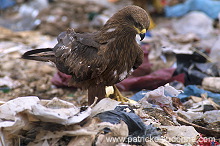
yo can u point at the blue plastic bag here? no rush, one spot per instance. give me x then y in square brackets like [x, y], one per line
[195, 91]
[210, 7]
[6, 3]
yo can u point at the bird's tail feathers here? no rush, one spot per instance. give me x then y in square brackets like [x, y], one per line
[44, 54]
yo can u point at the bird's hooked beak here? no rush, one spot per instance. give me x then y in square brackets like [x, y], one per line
[142, 34]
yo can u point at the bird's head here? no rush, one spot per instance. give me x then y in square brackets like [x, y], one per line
[133, 19]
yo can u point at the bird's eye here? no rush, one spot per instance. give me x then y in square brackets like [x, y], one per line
[136, 24]
[130, 18]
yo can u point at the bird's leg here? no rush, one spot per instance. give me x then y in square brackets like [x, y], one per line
[96, 91]
[118, 96]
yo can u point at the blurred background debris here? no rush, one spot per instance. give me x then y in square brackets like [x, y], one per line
[181, 48]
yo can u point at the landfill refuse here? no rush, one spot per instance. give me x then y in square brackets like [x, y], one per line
[20, 112]
[184, 134]
[6, 3]
[157, 78]
[194, 22]
[210, 7]
[139, 95]
[195, 68]
[211, 84]
[135, 125]
[8, 82]
[38, 107]
[214, 53]
[26, 17]
[195, 91]
[161, 96]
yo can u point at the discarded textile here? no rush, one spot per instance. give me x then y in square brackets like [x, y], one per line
[195, 91]
[151, 81]
[195, 68]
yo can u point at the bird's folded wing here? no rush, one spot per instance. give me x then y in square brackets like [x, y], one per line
[77, 55]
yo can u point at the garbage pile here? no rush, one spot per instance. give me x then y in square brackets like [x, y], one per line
[157, 118]
[175, 93]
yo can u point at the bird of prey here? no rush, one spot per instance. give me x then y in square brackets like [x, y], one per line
[99, 59]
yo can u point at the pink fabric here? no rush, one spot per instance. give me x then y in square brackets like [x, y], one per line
[60, 79]
[151, 81]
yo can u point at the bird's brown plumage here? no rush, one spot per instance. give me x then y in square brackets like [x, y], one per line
[102, 58]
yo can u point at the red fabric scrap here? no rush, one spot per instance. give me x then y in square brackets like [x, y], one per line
[151, 81]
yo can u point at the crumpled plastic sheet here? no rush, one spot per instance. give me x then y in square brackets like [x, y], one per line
[27, 13]
[208, 116]
[193, 90]
[195, 22]
[7, 81]
[215, 49]
[20, 114]
[161, 96]
[135, 125]
[57, 111]
[139, 95]
[17, 114]
[210, 7]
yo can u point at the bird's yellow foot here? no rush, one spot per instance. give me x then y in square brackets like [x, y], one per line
[113, 93]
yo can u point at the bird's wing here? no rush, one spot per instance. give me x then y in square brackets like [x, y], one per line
[78, 55]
